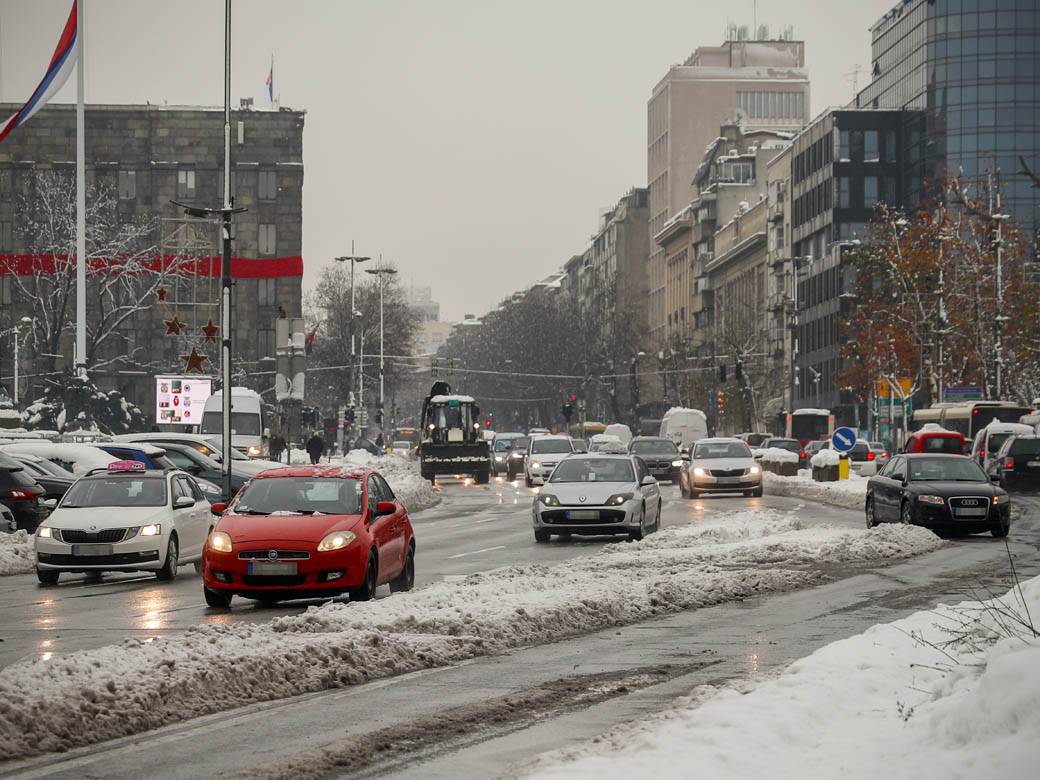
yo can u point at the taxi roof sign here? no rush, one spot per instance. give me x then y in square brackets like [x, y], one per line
[123, 466]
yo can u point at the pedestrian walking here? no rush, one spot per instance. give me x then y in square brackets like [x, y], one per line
[315, 447]
[276, 447]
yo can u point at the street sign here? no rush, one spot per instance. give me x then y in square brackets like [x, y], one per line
[843, 439]
[962, 394]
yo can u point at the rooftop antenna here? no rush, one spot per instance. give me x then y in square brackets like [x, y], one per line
[853, 76]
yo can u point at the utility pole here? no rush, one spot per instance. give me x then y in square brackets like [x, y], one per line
[354, 259]
[1000, 318]
[381, 273]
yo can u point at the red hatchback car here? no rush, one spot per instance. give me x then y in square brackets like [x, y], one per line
[306, 532]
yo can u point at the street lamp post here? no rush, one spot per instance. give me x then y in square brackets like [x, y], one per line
[16, 332]
[382, 273]
[354, 260]
[796, 267]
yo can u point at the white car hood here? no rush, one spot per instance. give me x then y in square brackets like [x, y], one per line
[107, 517]
[595, 493]
[723, 464]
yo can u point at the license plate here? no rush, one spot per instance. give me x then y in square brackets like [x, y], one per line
[970, 512]
[583, 514]
[1034, 464]
[87, 550]
[272, 568]
[727, 480]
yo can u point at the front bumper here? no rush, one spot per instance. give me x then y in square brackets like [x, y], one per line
[142, 553]
[587, 519]
[664, 471]
[941, 517]
[231, 573]
[710, 484]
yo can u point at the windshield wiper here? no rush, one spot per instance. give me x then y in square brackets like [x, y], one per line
[250, 512]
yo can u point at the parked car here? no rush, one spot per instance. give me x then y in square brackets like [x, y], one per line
[309, 531]
[543, 453]
[880, 453]
[7, 522]
[720, 465]
[187, 458]
[207, 445]
[124, 518]
[1017, 464]
[989, 440]
[934, 438]
[52, 477]
[661, 456]
[791, 445]
[598, 494]
[21, 493]
[753, 440]
[516, 460]
[942, 492]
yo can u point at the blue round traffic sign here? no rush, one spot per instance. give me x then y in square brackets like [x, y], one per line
[843, 439]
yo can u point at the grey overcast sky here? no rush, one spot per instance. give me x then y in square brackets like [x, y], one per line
[473, 144]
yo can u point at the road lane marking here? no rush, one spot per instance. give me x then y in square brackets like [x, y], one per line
[477, 552]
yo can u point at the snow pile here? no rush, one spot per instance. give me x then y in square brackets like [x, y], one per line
[946, 693]
[825, 458]
[134, 686]
[77, 458]
[777, 455]
[850, 493]
[16, 553]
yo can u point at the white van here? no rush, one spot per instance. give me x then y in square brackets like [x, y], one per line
[684, 426]
[248, 433]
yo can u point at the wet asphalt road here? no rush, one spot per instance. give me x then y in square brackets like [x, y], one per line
[475, 528]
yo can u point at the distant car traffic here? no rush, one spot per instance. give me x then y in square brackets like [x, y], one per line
[516, 460]
[942, 492]
[310, 531]
[607, 443]
[543, 453]
[402, 447]
[989, 440]
[598, 494]
[1017, 464]
[661, 456]
[202, 467]
[500, 449]
[124, 518]
[753, 440]
[791, 445]
[933, 438]
[207, 445]
[880, 453]
[720, 465]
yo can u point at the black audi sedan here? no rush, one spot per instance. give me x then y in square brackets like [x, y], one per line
[942, 492]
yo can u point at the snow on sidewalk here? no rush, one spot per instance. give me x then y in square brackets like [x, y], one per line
[950, 692]
[16, 553]
[850, 493]
[139, 685]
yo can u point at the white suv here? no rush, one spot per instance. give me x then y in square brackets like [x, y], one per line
[543, 453]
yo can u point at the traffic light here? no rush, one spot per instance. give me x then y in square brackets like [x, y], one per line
[379, 417]
[487, 422]
[572, 398]
[351, 415]
[567, 410]
[720, 403]
[722, 373]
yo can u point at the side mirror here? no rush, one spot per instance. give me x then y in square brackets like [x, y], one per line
[183, 502]
[994, 478]
[647, 480]
[218, 508]
[385, 508]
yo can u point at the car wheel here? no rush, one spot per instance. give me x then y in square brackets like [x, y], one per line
[638, 533]
[541, 536]
[47, 577]
[367, 589]
[757, 492]
[217, 599]
[169, 569]
[871, 518]
[482, 478]
[405, 581]
[1000, 528]
[906, 514]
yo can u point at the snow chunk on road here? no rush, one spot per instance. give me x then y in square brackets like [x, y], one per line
[850, 493]
[135, 686]
[950, 692]
[16, 553]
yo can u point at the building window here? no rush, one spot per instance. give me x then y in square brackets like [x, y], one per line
[843, 192]
[871, 152]
[266, 292]
[856, 144]
[6, 283]
[267, 242]
[6, 236]
[127, 185]
[843, 145]
[870, 191]
[890, 146]
[889, 194]
[185, 184]
[268, 185]
[265, 346]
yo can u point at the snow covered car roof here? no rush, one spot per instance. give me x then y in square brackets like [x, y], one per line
[824, 412]
[444, 399]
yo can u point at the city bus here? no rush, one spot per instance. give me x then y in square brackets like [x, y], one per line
[808, 425]
[969, 417]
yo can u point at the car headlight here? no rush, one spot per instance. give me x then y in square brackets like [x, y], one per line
[933, 500]
[535, 464]
[337, 540]
[220, 541]
[999, 500]
[549, 499]
[676, 462]
[698, 472]
[253, 451]
[754, 470]
[499, 458]
[150, 530]
[618, 499]
[45, 532]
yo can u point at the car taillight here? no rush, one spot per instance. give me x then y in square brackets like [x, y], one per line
[802, 455]
[1009, 463]
[982, 453]
[23, 494]
[871, 455]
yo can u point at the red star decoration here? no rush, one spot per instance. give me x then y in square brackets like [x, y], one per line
[174, 326]
[210, 330]
[161, 293]
[193, 362]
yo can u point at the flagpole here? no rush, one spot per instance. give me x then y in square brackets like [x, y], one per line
[81, 202]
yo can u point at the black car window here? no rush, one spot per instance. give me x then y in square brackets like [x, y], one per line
[641, 469]
[898, 469]
[945, 470]
[196, 491]
[1020, 446]
[373, 495]
[180, 460]
[185, 488]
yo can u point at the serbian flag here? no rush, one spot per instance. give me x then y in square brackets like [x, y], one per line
[270, 82]
[62, 64]
[308, 341]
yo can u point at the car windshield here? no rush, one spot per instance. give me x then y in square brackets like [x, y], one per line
[299, 496]
[521, 444]
[242, 423]
[784, 444]
[116, 491]
[755, 439]
[54, 469]
[945, 470]
[654, 447]
[1025, 447]
[996, 440]
[722, 449]
[593, 470]
[550, 446]
[502, 446]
